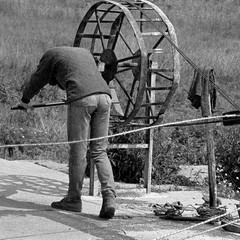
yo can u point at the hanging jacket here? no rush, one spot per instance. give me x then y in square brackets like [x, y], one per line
[195, 90]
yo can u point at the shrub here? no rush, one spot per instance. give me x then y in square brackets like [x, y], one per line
[228, 158]
[128, 164]
[20, 127]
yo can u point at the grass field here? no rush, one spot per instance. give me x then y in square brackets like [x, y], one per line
[207, 31]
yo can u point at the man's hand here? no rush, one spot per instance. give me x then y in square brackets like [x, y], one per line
[25, 106]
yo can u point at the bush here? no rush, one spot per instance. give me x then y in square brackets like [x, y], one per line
[188, 144]
[127, 164]
[20, 127]
[165, 164]
[183, 146]
[228, 158]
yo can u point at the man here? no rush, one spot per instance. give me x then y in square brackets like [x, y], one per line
[89, 99]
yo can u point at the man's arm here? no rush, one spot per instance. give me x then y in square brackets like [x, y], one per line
[39, 78]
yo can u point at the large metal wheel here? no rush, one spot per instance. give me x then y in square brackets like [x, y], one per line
[133, 31]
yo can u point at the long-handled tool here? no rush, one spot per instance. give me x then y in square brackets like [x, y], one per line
[41, 105]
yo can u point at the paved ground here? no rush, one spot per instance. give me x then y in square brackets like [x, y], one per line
[27, 190]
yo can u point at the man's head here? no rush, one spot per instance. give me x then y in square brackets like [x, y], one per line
[108, 65]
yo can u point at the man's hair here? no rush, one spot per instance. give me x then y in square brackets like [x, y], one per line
[109, 58]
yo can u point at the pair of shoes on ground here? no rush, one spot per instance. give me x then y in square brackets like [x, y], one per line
[75, 205]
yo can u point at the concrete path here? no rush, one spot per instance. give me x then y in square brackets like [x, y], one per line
[27, 190]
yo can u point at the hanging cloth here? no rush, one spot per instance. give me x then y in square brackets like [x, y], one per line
[195, 90]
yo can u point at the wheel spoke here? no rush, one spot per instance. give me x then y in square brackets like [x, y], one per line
[164, 76]
[158, 42]
[128, 58]
[125, 41]
[131, 93]
[95, 31]
[115, 31]
[99, 29]
[124, 90]
[123, 70]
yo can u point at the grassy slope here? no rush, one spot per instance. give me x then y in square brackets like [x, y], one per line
[208, 32]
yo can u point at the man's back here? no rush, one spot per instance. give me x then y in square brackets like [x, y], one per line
[73, 69]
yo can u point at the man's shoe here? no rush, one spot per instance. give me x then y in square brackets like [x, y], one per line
[73, 204]
[108, 206]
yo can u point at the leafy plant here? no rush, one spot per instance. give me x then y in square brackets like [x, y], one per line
[128, 164]
[228, 158]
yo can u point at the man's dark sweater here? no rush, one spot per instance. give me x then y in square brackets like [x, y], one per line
[72, 69]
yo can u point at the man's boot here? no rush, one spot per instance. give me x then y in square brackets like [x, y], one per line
[108, 205]
[73, 204]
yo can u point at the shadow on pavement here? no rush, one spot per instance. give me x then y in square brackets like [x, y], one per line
[13, 204]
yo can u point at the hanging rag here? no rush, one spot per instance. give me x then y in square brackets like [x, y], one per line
[195, 91]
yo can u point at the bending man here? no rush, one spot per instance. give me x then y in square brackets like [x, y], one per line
[89, 99]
